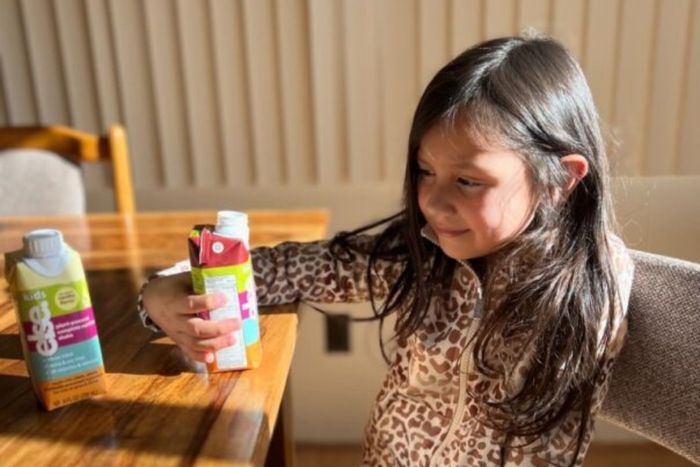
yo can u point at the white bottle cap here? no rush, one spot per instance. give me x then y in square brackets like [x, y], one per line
[232, 224]
[43, 243]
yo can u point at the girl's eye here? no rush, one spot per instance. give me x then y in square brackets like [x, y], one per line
[462, 182]
[468, 183]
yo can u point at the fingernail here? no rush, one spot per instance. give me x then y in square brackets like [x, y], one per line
[209, 358]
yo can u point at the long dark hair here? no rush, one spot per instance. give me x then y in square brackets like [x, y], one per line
[532, 95]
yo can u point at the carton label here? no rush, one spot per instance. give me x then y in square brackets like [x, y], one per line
[58, 330]
[222, 264]
[61, 336]
[233, 356]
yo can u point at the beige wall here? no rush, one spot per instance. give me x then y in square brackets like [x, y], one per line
[268, 103]
[281, 94]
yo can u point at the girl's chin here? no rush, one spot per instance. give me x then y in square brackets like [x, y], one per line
[457, 253]
[462, 252]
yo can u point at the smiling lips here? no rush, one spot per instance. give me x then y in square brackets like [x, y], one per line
[449, 233]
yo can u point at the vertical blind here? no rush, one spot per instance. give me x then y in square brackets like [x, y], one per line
[267, 93]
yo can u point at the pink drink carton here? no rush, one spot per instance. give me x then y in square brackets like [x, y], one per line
[56, 320]
[220, 260]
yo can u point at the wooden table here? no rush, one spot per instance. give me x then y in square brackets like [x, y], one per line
[160, 409]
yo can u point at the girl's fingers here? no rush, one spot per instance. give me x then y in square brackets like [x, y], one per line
[199, 328]
[219, 335]
[197, 303]
[212, 345]
[185, 344]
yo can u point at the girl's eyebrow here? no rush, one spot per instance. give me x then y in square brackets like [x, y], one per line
[465, 163]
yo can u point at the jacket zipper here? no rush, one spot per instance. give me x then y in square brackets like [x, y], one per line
[464, 370]
[464, 362]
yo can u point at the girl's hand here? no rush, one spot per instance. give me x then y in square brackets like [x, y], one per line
[171, 305]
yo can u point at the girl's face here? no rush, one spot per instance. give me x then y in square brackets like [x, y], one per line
[476, 196]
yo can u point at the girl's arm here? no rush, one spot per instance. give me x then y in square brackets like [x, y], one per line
[309, 272]
[287, 273]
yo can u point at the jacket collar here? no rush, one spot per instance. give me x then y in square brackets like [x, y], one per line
[429, 234]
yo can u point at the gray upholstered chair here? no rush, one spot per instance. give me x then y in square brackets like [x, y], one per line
[40, 171]
[37, 182]
[655, 387]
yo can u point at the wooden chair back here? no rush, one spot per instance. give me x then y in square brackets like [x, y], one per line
[79, 146]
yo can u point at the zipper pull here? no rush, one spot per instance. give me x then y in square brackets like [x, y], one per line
[479, 306]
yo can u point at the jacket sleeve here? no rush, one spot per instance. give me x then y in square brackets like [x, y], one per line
[310, 272]
[294, 271]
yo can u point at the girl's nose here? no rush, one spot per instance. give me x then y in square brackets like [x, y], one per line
[439, 199]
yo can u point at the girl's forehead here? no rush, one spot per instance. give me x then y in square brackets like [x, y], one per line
[458, 143]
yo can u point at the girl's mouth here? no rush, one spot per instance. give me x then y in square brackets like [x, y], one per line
[449, 233]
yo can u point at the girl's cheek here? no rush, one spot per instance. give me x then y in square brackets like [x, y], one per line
[430, 198]
[492, 211]
[478, 201]
[421, 200]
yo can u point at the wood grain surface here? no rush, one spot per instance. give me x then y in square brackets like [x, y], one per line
[161, 409]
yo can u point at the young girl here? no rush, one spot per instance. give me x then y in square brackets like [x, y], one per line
[508, 284]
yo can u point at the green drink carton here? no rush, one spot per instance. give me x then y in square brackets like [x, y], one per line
[220, 260]
[56, 320]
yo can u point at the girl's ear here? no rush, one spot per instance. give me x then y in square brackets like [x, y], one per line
[577, 166]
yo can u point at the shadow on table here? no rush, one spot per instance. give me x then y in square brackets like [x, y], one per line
[10, 347]
[125, 429]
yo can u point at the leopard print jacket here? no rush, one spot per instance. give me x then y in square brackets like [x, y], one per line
[429, 410]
